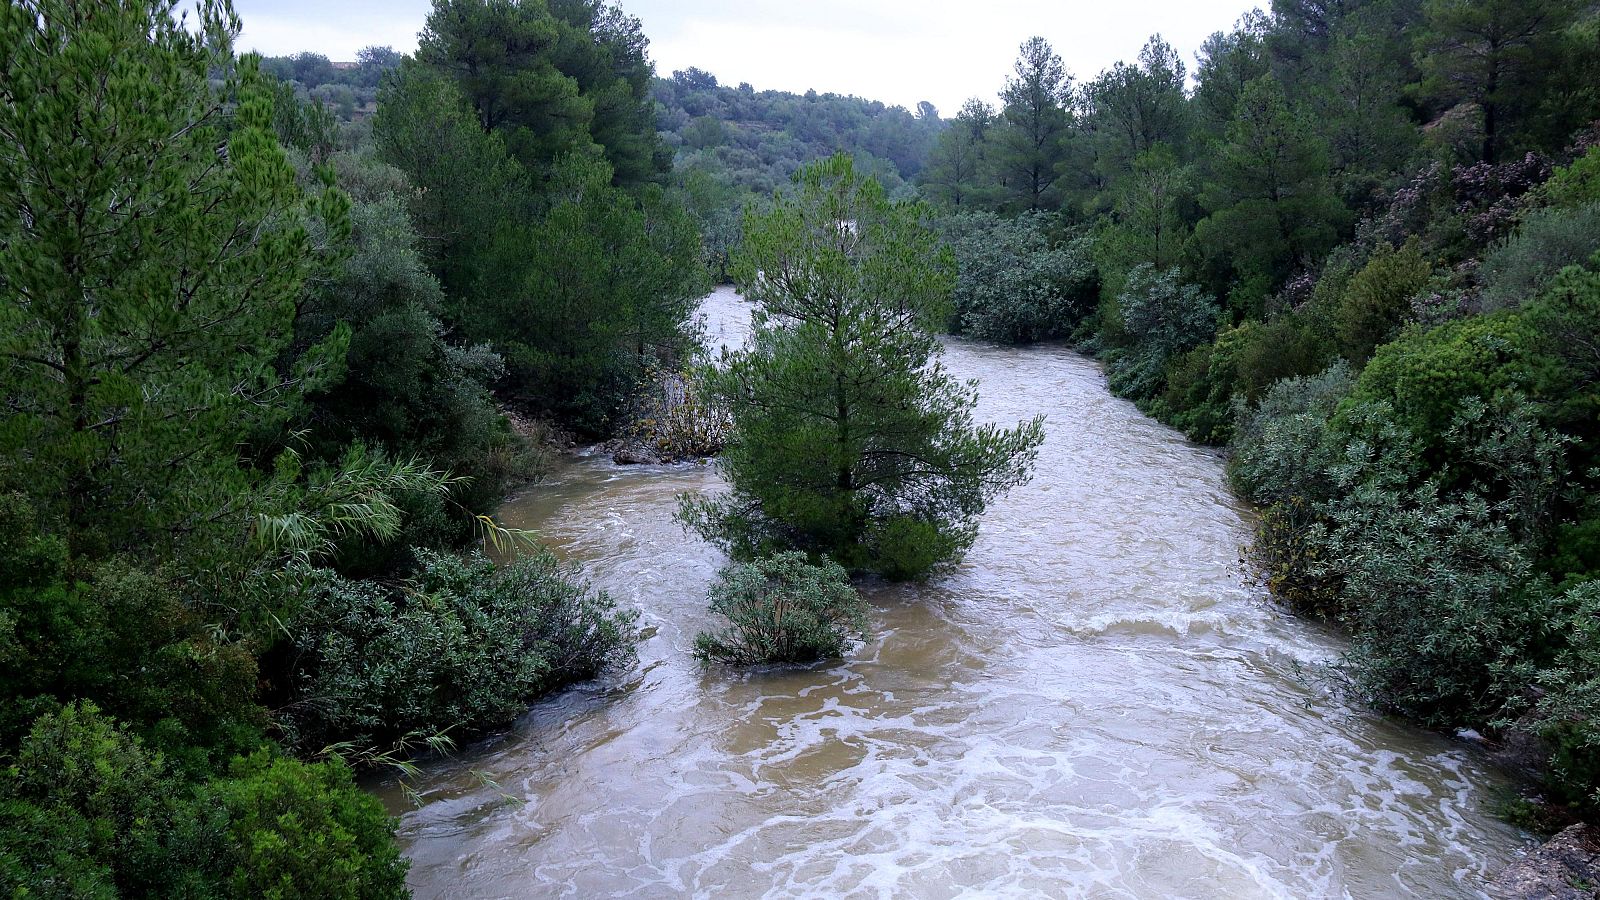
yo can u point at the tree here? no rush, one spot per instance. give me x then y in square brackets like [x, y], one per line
[1358, 106]
[556, 77]
[1133, 108]
[1228, 62]
[1272, 208]
[153, 241]
[850, 440]
[956, 170]
[1497, 55]
[1146, 225]
[1033, 126]
[587, 297]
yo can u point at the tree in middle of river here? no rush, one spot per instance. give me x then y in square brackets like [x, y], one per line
[850, 439]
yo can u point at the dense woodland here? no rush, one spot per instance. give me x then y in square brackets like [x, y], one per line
[272, 332]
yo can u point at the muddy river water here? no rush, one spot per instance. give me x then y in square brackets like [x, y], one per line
[1098, 703]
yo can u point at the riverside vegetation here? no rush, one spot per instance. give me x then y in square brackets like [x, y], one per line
[1361, 252]
[257, 343]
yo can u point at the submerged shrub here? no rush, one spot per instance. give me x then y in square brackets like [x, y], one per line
[783, 609]
[1015, 283]
[465, 644]
[1160, 317]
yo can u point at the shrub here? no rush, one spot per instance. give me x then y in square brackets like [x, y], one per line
[86, 810]
[1281, 448]
[1378, 299]
[304, 830]
[1015, 283]
[676, 420]
[1442, 598]
[1160, 317]
[464, 644]
[1424, 375]
[120, 637]
[1519, 268]
[783, 609]
[1568, 714]
[1576, 184]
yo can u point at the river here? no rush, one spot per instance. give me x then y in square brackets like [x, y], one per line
[1098, 703]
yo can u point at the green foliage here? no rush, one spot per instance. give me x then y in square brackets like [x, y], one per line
[298, 830]
[87, 811]
[783, 609]
[753, 141]
[150, 280]
[1271, 207]
[1016, 282]
[1424, 375]
[1029, 137]
[958, 174]
[1378, 300]
[1281, 446]
[1569, 710]
[603, 288]
[1503, 57]
[553, 79]
[1160, 317]
[1518, 269]
[848, 437]
[464, 645]
[1575, 185]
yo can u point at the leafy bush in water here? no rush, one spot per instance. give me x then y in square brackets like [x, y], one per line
[1016, 284]
[87, 811]
[1160, 318]
[1569, 712]
[464, 644]
[1280, 445]
[783, 609]
[1521, 266]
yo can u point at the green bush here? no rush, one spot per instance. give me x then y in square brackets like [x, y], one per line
[119, 636]
[1576, 184]
[1378, 300]
[298, 830]
[1015, 283]
[1281, 448]
[1159, 317]
[1519, 268]
[464, 644]
[783, 609]
[1442, 598]
[86, 810]
[1569, 710]
[1424, 375]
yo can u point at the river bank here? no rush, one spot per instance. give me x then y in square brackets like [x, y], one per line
[1098, 700]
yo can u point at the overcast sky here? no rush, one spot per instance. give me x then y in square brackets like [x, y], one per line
[898, 51]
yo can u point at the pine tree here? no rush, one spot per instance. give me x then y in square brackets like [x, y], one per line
[153, 242]
[851, 440]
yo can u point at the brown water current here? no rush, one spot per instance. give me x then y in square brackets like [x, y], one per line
[1098, 703]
